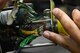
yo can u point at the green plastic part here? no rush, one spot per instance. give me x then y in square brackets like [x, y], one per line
[27, 40]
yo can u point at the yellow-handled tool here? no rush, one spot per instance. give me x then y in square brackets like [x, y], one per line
[29, 32]
[59, 26]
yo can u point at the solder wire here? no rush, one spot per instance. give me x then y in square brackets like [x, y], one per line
[52, 5]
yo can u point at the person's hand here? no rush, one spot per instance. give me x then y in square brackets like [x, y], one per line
[71, 42]
[3, 3]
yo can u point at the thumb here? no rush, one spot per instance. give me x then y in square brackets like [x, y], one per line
[53, 37]
[64, 41]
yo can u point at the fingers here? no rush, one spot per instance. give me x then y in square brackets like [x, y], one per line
[64, 41]
[76, 17]
[68, 24]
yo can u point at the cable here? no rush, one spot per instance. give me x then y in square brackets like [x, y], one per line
[0, 49]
